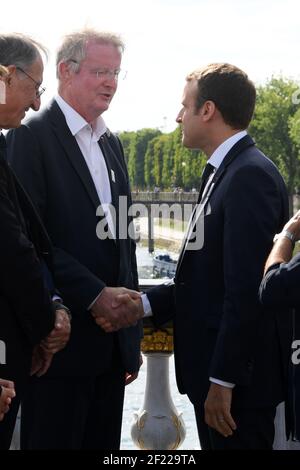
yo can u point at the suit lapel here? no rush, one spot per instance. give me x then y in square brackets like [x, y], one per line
[239, 147]
[72, 150]
[111, 169]
[13, 193]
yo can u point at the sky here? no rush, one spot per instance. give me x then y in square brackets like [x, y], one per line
[165, 40]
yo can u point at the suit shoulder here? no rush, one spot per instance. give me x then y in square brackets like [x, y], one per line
[253, 159]
[38, 120]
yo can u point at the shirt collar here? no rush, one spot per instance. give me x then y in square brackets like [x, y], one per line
[77, 123]
[220, 153]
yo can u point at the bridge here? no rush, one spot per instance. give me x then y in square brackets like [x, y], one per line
[159, 197]
[165, 205]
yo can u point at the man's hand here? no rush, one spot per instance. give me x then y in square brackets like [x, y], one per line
[41, 361]
[131, 376]
[7, 394]
[217, 409]
[117, 307]
[60, 334]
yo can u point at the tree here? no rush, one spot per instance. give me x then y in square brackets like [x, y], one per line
[274, 128]
[135, 154]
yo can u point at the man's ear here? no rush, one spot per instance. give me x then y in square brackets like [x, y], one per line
[11, 72]
[208, 110]
[64, 71]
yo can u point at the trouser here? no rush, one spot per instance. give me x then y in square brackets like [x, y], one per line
[7, 426]
[74, 413]
[255, 430]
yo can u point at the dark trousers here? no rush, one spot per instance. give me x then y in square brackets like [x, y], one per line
[7, 426]
[255, 430]
[73, 413]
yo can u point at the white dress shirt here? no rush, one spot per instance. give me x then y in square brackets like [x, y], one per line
[87, 138]
[216, 160]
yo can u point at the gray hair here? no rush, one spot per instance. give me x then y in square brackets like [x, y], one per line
[19, 50]
[73, 48]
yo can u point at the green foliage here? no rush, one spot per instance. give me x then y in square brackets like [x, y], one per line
[275, 127]
[156, 159]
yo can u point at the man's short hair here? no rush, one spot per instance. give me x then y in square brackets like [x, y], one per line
[19, 50]
[230, 89]
[73, 47]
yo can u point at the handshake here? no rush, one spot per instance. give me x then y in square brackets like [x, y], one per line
[117, 307]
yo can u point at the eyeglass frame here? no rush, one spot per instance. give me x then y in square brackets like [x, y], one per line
[39, 90]
[105, 72]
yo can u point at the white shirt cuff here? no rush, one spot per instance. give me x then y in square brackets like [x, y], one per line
[146, 306]
[221, 382]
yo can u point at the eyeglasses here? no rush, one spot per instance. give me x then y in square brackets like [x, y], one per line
[39, 90]
[101, 73]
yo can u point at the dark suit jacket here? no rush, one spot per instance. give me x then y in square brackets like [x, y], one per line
[220, 329]
[26, 315]
[54, 172]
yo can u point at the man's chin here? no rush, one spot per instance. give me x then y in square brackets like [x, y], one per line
[12, 124]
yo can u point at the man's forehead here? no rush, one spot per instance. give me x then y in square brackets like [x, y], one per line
[190, 89]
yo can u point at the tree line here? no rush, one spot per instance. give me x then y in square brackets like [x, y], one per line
[158, 159]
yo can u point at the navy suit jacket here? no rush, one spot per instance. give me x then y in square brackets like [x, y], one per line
[220, 328]
[56, 176]
[26, 314]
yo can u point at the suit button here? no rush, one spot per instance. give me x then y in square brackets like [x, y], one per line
[250, 365]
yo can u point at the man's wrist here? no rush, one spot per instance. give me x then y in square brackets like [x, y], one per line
[286, 234]
[59, 306]
[146, 306]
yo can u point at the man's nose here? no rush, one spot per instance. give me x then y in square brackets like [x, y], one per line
[36, 104]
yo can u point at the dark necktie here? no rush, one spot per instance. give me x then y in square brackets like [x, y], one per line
[2, 146]
[2, 141]
[208, 169]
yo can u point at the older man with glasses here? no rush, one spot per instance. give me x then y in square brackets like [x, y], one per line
[33, 326]
[74, 170]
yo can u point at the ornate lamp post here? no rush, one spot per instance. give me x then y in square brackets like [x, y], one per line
[158, 425]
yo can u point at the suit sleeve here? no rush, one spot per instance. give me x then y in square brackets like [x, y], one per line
[252, 208]
[280, 286]
[79, 285]
[21, 276]
[162, 303]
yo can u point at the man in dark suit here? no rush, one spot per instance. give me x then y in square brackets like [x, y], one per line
[227, 351]
[76, 175]
[32, 326]
[7, 392]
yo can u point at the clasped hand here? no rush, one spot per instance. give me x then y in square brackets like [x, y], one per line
[117, 307]
[54, 342]
[6, 396]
